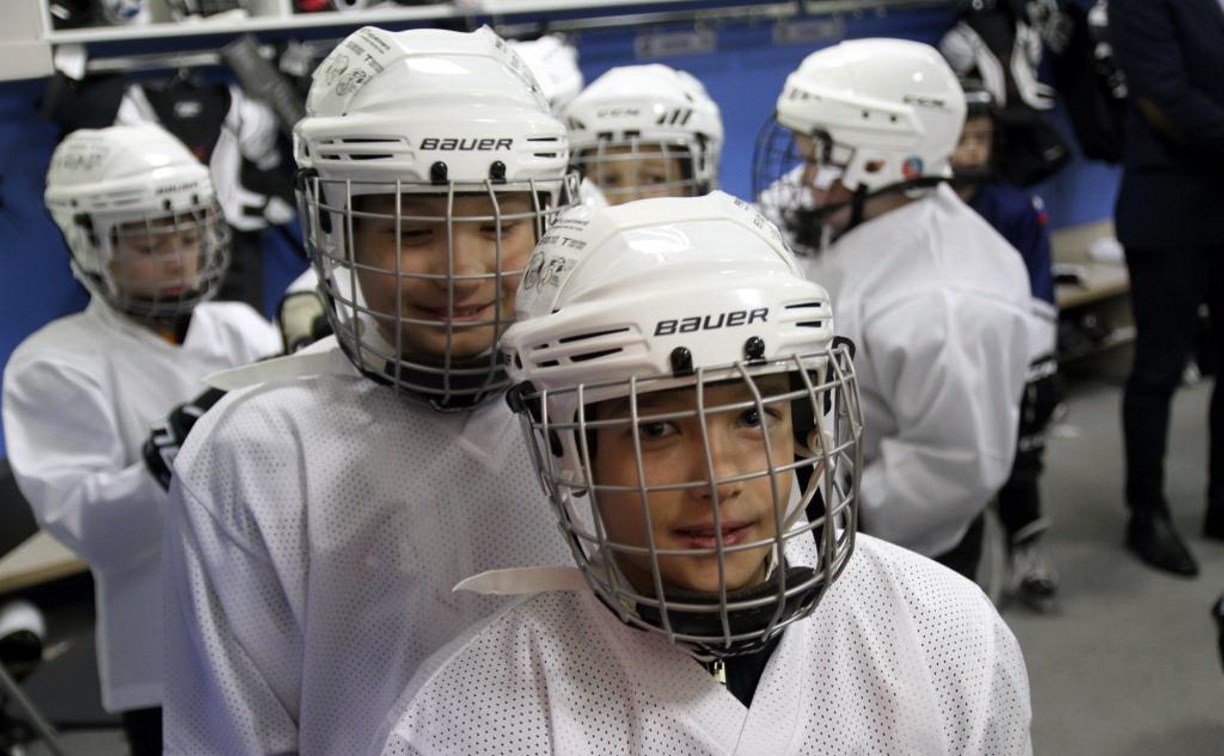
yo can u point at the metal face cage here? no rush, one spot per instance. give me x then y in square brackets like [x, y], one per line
[714, 509]
[419, 278]
[631, 169]
[157, 267]
[786, 168]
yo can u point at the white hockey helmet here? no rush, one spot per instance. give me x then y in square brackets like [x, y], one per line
[140, 216]
[877, 115]
[635, 111]
[424, 112]
[554, 63]
[890, 101]
[687, 293]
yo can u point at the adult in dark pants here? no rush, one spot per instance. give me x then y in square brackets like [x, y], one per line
[1170, 219]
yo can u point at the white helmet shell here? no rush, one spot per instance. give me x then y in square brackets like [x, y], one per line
[666, 299]
[554, 63]
[673, 293]
[100, 180]
[888, 100]
[474, 105]
[650, 104]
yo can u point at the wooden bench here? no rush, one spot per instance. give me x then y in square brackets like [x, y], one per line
[39, 559]
[1094, 312]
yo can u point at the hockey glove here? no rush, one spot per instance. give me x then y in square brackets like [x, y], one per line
[168, 435]
[302, 320]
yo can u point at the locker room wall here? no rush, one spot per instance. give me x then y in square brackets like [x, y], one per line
[744, 76]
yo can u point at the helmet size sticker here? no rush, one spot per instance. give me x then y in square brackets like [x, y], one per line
[87, 158]
[546, 271]
[359, 58]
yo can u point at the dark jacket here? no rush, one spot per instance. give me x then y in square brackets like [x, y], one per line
[1020, 218]
[1172, 52]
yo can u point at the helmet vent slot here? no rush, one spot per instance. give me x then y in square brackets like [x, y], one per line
[362, 148]
[806, 306]
[594, 355]
[592, 335]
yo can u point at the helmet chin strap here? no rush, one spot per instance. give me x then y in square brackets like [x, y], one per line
[971, 175]
[454, 392]
[753, 619]
[805, 222]
[740, 620]
[466, 384]
[176, 323]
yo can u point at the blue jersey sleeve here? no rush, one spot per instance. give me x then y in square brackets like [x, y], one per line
[1021, 219]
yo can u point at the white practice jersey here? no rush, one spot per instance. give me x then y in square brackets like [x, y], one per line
[938, 304]
[318, 526]
[901, 656]
[79, 398]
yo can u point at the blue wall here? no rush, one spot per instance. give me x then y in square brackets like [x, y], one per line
[35, 285]
[744, 76]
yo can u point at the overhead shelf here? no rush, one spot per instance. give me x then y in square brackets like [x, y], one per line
[31, 48]
[170, 29]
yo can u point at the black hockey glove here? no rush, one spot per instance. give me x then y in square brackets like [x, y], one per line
[168, 435]
[302, 318]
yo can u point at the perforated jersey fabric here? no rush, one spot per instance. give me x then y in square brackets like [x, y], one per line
[902, 656]
[940, 308]
[318, 525]
[79, 397]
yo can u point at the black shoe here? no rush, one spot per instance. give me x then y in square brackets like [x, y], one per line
[1213, 524]
[1217, 614]
[1033, 581]
[1152, 538]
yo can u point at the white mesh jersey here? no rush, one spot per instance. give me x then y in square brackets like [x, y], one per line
[79, 397]
[939, 306]
[902, 656]
[318, 525]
